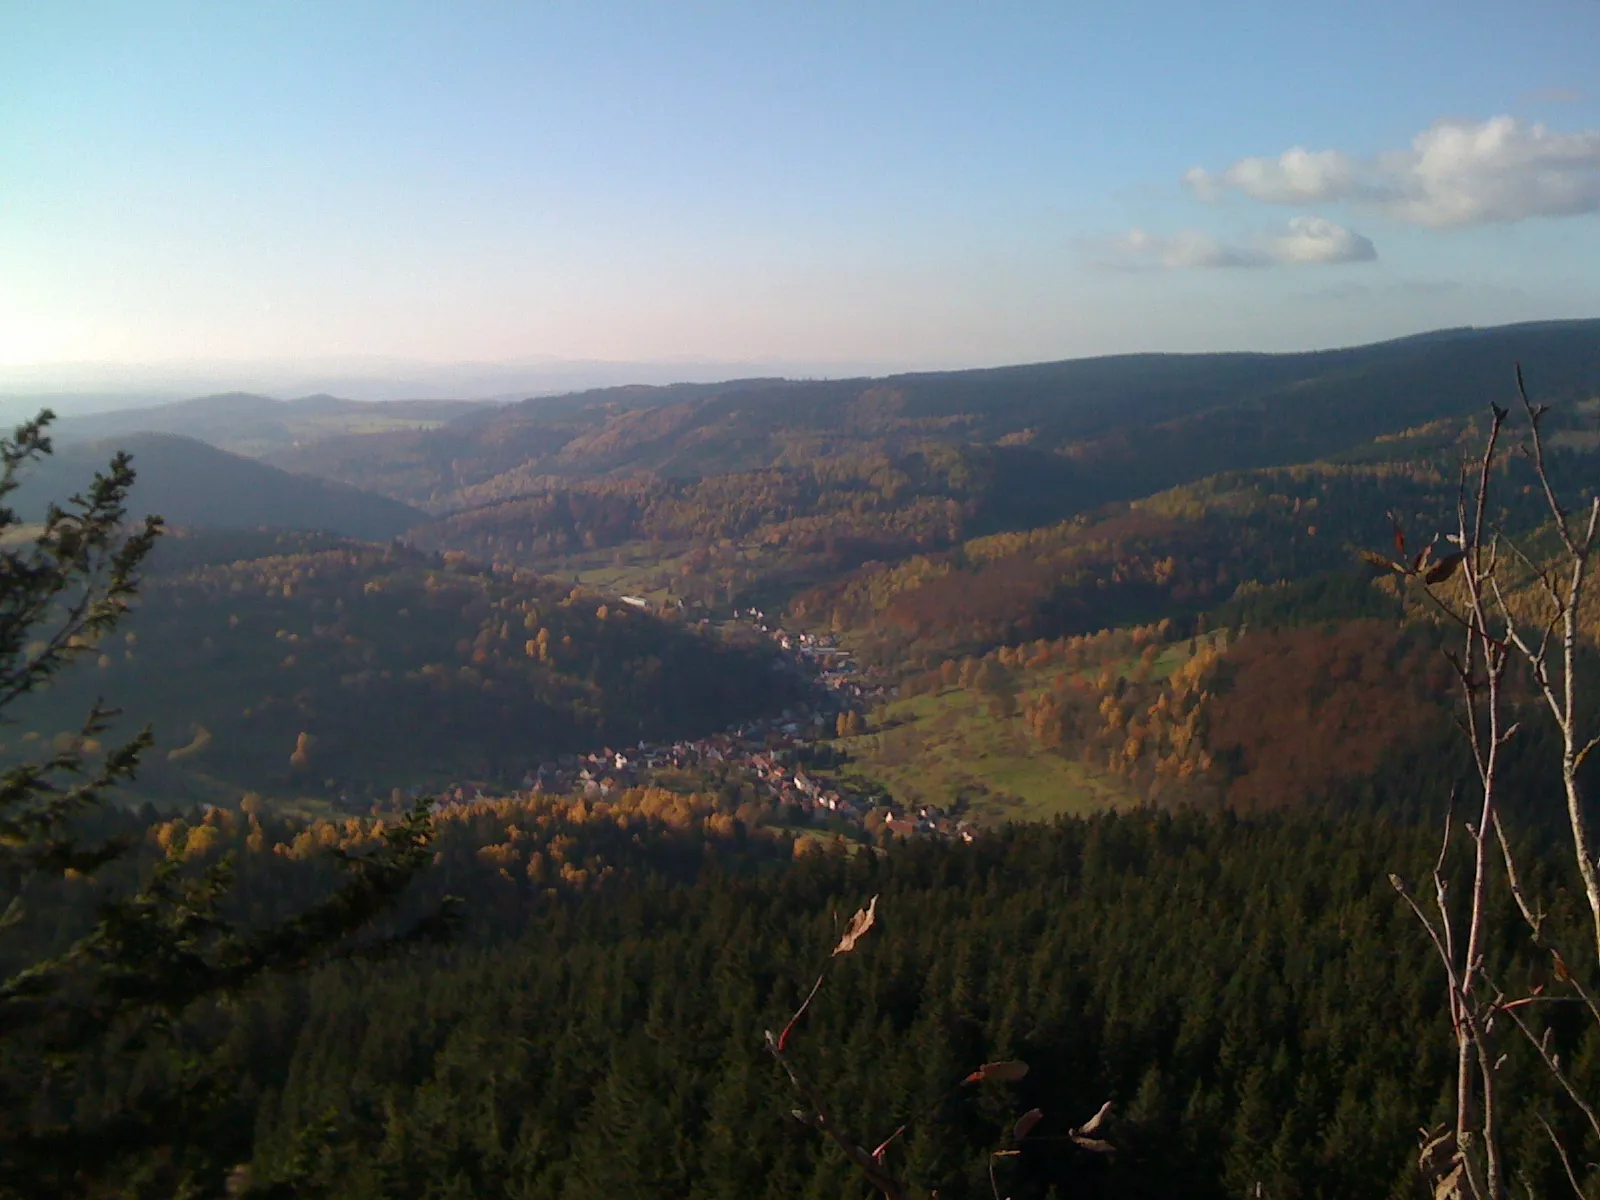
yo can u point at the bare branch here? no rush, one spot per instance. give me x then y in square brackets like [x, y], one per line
[1536, 443]
[876, 1175]
[1542, 1047]
[783, 1038]
[1587, 749]
[1542, 574]
[1566, 1162]
[1434, 935]
[1535, 920]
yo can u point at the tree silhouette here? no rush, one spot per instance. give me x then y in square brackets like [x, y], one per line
[98, 1002]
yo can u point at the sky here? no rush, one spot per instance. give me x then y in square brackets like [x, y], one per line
[913, 185]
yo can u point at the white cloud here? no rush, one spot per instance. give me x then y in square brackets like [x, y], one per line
[1454, 173]
[1501, 170]
[1318, 240]
[1297, 176]
[1306, 241]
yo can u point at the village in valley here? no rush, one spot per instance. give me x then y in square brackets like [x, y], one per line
[771, 754]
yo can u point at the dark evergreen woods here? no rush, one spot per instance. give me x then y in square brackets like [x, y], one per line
[1248, 993]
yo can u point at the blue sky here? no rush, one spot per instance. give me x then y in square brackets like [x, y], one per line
[908, 184]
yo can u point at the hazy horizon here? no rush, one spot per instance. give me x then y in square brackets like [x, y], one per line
[78, 389]
[378, 378]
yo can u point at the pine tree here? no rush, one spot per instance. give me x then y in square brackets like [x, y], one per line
[83, 1006]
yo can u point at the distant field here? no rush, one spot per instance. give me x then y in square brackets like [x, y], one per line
[373, 422]
[625, 571]
[941, 749]
[938, 750]
[303, 429]
[763, 576]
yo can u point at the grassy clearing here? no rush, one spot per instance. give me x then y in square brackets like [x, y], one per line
[308, 428]
[1172, 657]
[751, 575]
[946, 749]
[632, 569]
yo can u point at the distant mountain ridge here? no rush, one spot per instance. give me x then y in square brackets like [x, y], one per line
[248, 423]
[191, 483]
[1181, 416]
[1102, 429]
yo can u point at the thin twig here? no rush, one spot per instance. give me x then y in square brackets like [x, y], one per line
[1554, 1067]
[1566, 1163]
[876, 1175]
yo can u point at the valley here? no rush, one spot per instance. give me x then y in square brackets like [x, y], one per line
[1010, 599]
[797, 601]
[1099, 673]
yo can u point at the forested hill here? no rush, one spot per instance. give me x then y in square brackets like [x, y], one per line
[1125, 425]
[1051, 643]
[191, 483]
[308, 668]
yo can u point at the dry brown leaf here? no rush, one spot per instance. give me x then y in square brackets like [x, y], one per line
[998, 1072]
[1093, 1144]
[1433, 1146]
[859, 924]
[1444, 568]
[1094, 1122]
[1025, 1124]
